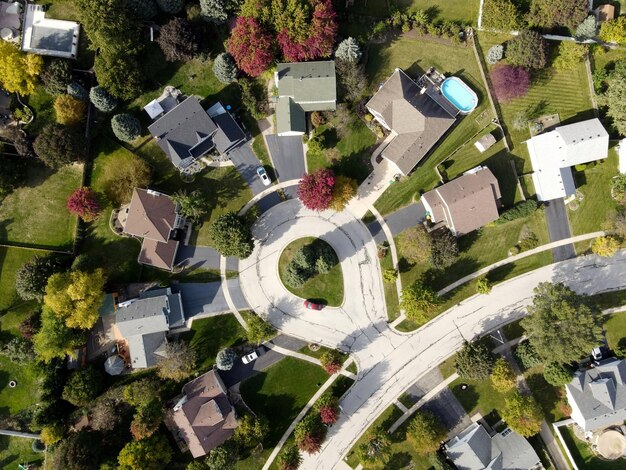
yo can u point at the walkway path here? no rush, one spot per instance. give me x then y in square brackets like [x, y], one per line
[227, 296]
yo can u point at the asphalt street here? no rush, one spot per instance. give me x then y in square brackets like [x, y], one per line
[559, 229]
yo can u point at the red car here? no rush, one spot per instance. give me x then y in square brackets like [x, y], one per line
[312, 305]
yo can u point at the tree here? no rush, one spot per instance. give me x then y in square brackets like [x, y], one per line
[106, 414]
[177, 40]
[501, 15]
[526, 354]
[418, 301]
[58, 145]
[557, 374]
[613, 30]
[331, 361]
[52, 434]
[21, 142]
[259, 330]
[554, 13]
[344, 189]
[231, 236]
[315, 190]
[425, 432]
[483, 286]
[502, 376]
[56, 75]
[351, 80]
[251, 46]
[509, 82]
[119, 74]
[444, 249]
[84, 203]
[495, 54]
[519, 211]
[222, 457]
[122, 174]
[141, 391]
[377, 447]
[560, 325]
[415, 244]
[126, 127]
[79, 451]
[54, 339]
[310, 433]
[474, 361]
[527, 50]
[618, 188]
[615, 100]
[102, 99]
[171, 6]
[77, 91]
[31, 278]
[522, 414]
[83, 386]
[191, 205]
[225, 359]
[153, 453]
[143, 9]
[179, 361]
[76, 296]
[147, 419]
[251, 431]
[289, 458]
[225, 69]
[348, 50]
[18, 350]
[570, 55]
[18, 70]
[587, 29]
[214, 11]
[605, 246]
[328, 407]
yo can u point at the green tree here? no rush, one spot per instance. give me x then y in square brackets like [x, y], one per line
[179, 361]
[390, 275]
[615, 100]
[224, 68]
[79, 451]
[251, 431]
[141, 391]
[191, 205]
[495, 54]
[502, 15]
[348, 50]
[225, 359]
[58, 145]
[32, 277]
[18, 350]
[121, 175]
[502, 376]
[527, 50]
[102, 99]
[289, 458]
[222, 457]
[143, 9]
[259, 330]
[554, 13]
[522, 414]
[419, 301]
[415, 244]
[83, 386]
[147, 419]
[377, 447]
[351, 80]
[570, 55]
[613, 30]
[444, 249]
[126, 127]
[557, 374]
[18, 70]
[526, 355]
[119, 74]
[231, 236]
[425, 432]
[76, 90]
[55, 339]
[171, 6]
[52, 434]
[153, 453]
[587, 29]
[76, 296]
[474, 361]
[560, 326]
[56, 75]
[483, 286]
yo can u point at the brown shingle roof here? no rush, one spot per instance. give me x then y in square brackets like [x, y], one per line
[158, 254]
[151, 215]
[466, 203]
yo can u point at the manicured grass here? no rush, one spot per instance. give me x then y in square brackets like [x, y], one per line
[414, 56]
[602, 57]
[583, 455]
[11, 259]
[280, 392]
[479, 397]
[16, 451]
[595, 184]
[208, 335]
[391, 293]
[465, 11]
[36, 214]
[325, 288]
[447, 367]
[615, 328]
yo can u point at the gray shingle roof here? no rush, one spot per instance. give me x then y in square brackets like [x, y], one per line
[289, 116]
[229, 135]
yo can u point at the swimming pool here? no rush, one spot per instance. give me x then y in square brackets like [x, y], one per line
[459, 94]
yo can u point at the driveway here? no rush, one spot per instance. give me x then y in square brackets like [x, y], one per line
[198, 257]
[449, 411]
[398, 221]
[559, 229]
[206, 298]
[288, 157]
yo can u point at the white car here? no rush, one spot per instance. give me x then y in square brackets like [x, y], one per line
[263, 175]
[248, 358]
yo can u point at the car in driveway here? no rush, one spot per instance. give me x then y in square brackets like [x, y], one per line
[248, 358]
[312, 305]
[263, 175]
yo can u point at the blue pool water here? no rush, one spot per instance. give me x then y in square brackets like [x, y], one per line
[459, 94]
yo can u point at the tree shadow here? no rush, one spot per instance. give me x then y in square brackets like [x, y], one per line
[468, 397]
[399, 460]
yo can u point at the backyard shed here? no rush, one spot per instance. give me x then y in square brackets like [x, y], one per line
[485, 142]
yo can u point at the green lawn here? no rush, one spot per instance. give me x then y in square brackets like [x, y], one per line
[208, 335]
[583, 455]
[36, 214]
[615, 328]
[479, 397]
[325, 288]
[16, 451]
[391, 293]
[11, 259]
[548, 396]
[465, 11]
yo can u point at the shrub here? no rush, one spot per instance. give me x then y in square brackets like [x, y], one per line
[102, 99]
[289, 458]
[177, 40]
[331, 361]
[444, 249]
[126, 127]
[225, 359]
[509, 82]
[214, 10]
[556, 374]
[519, 211]
[328, 408]
[144, 9]
[474, 361]
[348, 50]
[390, 275]
[69, 110]
[310, 433]
[527, 50]
[56, 76]
[613, 30]
[58, 145]
[618, 188]
[84, 203]
[495, 54]
[76, 90]
[224, 68]
[605, 246]
[502, 376]
[418, 301]
[483, 286]
[171, 6]
[425, 432]
[528, 241]
[570, 55]
[376, 448]
[587, 29]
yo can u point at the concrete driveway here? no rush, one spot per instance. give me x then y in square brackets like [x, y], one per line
[288, 158]
[559, 229]
[246, 163]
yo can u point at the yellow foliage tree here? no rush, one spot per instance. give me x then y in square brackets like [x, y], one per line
[52, 434]
[344, 190]
[76, 297]
[605, 246]
[502, 376]
[69, 110]
[18, 70]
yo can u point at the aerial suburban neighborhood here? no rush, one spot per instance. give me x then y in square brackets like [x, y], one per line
[313, 234]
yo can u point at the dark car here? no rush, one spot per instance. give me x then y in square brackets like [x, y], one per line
[312, 305]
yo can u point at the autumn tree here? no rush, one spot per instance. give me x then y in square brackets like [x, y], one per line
[315, 190]
[153, 453]
[179, 361]
[376, 448]
[83, 386]
[230, 235]
[344, 189]
[425, 432]
[106, 414]
[32, 277]
[522, 414]
[147, 419]
[76, 296]
[415, 244]
[560, 325]
[351, 80]
[502, 376]
[418, 301]
[474, 361]
[328, 408]
[84, 203]
[52, 434]
[58, 145]
[289, 458]
[251, 46]
[527, 50]
[332, 361]
[55, 339]
[605, 246]
[18, 70]
[310, 433]
[69, 111]
[178, 40]
[22, 143]
[509, 82]
[613, 30]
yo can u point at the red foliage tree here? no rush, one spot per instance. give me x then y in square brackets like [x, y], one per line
[509, 82]
[329, 414]
[311, 443]
[84, 203]
[315, 190]
[251, 46]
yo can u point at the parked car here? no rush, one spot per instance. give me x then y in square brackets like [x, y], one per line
[248, 358]
[263, 175]
[312, 305]
[597, 354]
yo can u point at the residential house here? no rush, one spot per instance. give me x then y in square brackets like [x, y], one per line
[186, 132]
[553, 153]
[143, 324]
[303, 87]
[10, 21]
[604, 12]
[154, 217]
[597, 395]
[465, 203]
[204, 417]
[417, 117]
[475, 449]
[46, 36]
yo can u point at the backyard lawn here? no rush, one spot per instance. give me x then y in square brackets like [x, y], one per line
[36, 214]
[583, 455]
[10, 261]
[615, 328]
[465, 11]
[15, 451]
